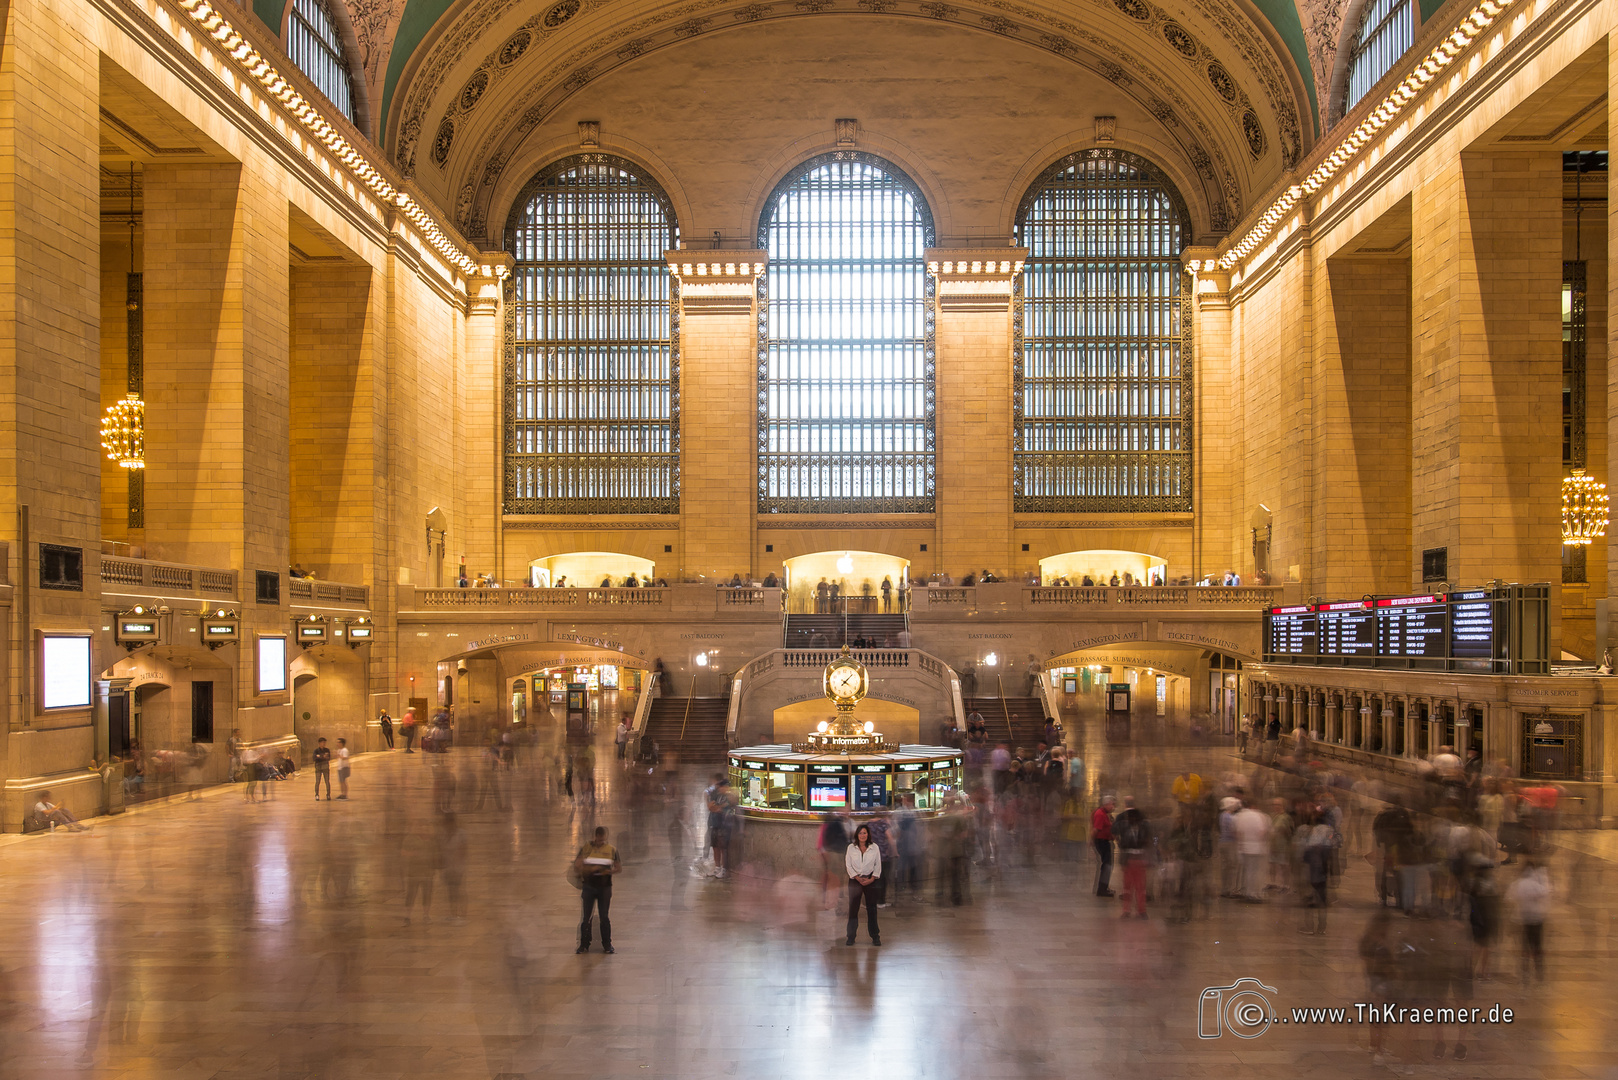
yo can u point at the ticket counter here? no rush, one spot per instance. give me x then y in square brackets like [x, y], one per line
[772, 781]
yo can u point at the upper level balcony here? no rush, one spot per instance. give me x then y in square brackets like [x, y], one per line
[121, 576]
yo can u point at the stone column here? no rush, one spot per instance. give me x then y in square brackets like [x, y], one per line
[1218, 500]
[1487, 365]
[482, 421]
[718, 294]
[973, 478]
[218, 393]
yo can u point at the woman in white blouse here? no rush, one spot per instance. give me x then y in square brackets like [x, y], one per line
[864, 863]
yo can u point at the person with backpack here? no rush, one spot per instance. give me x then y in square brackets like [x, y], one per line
[1134, 836]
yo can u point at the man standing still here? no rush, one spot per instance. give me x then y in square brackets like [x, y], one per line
[342, 771]
[386, 724]
[1101, 837]
[596, 863]
[322, 759]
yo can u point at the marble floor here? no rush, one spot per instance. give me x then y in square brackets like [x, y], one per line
[221, 938]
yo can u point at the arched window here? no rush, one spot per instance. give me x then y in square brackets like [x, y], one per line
[1386, 31]
[315, 46]
[845, 360]
[1102, 356]
[592, 372]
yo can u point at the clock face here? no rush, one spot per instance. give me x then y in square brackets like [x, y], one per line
[845, 682]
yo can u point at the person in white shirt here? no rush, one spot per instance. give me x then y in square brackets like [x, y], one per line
[1531, 893]
[1252, 828]
[342, 768]
[53, 814]
[864, 864]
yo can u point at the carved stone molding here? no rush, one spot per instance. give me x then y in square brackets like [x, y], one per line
[1109, 521]
[717, 282]
[975, 279]
[590, 524]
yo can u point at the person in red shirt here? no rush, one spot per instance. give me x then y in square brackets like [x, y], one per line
[1101, 837]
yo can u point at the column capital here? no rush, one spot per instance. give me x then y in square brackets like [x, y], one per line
[717, 282]
[975, 279]
[483, 287]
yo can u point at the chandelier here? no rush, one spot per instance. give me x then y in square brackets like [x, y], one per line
[123, 432]
[1584, 509]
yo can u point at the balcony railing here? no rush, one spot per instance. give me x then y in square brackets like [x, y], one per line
[161, 578]
[1097, 597]
[328, 592]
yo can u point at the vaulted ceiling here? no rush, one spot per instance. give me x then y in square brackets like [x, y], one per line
[469, 87]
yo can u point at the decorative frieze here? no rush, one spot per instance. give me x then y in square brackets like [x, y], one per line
[975, 279]
[717, 282]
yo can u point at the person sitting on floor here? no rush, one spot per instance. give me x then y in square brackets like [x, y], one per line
[49, 813]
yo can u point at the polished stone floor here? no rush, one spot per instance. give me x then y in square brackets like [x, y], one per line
[221, 938]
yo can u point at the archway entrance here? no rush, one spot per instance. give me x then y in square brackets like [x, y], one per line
[1099, 566]
[589, 569]
[858, 577]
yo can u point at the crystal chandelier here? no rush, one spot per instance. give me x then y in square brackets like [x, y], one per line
[123, 432]
[1584, 509]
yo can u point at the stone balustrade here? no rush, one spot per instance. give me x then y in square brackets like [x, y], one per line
[328, 592]
[121, 574]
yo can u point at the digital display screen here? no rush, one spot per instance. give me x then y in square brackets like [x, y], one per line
[65, 664]
[752, 764]
[829, 797]
[1347, 629]
[945, 764]
[828, 768]
[272, 664]
[786, 766]
[871, 768]
[221, 631]
[913, 766]
[359, 631]
[1471, 626]
[1291, 631]
[137, 628]
[1458, 631]
[312, 631]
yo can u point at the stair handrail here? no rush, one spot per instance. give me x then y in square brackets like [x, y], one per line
[643, 711]
[733, 713]
[689, 698]
[1048, 695]
[1000, 681]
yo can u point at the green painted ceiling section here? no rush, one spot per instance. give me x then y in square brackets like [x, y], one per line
[270, 12]
[1283, 16]
[420, 15]
[418, 18]
[1429, 8]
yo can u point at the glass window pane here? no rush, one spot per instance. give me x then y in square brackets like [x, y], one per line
[845, 342]
[592, 420]
[1102, 359]
[315, 46]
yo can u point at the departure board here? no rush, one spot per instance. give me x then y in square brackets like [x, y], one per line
[1412, 626]
[1471, 626]
[1347, 629]
[1291, 631]
[1500, 630]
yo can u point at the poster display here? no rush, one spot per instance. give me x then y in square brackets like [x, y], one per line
[65, 670]
[272, 665]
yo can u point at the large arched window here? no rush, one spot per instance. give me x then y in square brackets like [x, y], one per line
[1102, 358]
[845, 362]
[314, 44]
[592, 372]
[1386, 30]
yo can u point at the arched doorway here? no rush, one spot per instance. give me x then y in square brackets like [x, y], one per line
[1099, 566]
[589, 569]
[858, 575]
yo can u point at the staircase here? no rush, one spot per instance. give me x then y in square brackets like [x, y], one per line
[696, 734]
[826, 631]
[1027, 723]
